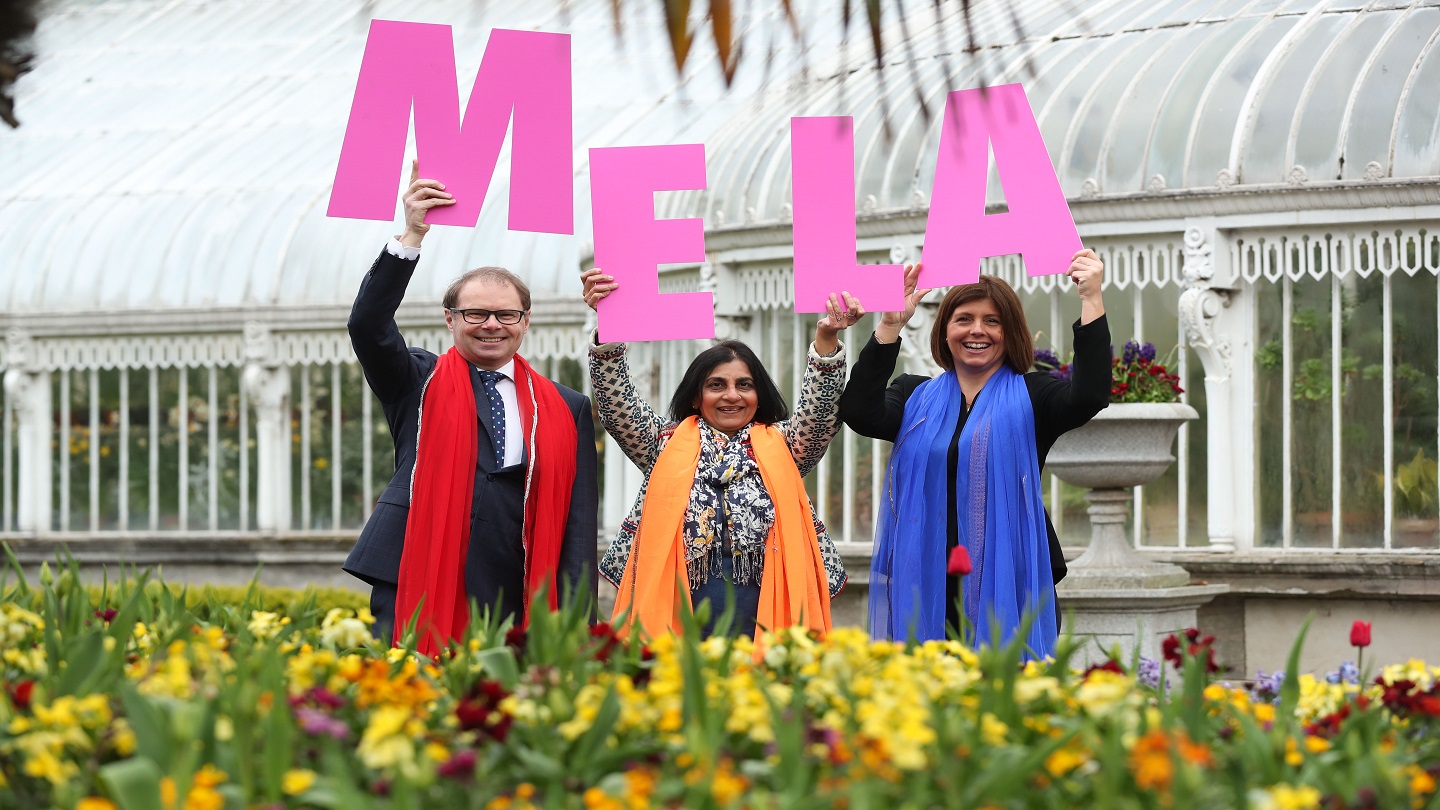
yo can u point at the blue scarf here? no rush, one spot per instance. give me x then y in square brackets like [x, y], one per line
[1001, 519]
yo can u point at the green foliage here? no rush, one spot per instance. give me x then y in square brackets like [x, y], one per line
[140, 696]
[1415, 486]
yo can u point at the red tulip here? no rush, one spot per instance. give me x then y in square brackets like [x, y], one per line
[959, 564]
[1360, 634]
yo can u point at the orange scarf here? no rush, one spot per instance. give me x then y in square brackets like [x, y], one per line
[793, 589]
[437, 530]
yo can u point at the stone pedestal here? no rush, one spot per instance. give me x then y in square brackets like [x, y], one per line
[1111, 562]
[1115, 596]
[1104, 619]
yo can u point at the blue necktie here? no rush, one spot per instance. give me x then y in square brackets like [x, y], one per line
[497, 412]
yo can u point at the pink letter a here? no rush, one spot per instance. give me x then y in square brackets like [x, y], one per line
[958, 233]
[526, 71]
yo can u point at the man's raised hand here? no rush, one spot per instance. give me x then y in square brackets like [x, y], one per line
[420, 197]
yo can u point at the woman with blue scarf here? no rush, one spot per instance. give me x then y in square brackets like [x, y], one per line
[965, 469]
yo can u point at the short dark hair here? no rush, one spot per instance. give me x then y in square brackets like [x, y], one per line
[770, 403]
[487, 275]
[1019, 345]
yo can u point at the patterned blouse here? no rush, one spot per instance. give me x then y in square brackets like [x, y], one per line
[642, 434]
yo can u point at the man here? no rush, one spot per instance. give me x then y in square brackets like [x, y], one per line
[494, 494]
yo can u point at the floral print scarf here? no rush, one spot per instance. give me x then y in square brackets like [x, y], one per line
[729, 496]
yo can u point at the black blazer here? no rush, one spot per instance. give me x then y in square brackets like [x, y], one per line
[495, 563]
[871, 408]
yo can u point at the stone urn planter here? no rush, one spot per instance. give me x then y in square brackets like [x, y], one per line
[1124, 446]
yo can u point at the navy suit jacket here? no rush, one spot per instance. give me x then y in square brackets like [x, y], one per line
[495, 563]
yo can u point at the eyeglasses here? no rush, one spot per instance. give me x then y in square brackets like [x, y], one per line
[509, 317]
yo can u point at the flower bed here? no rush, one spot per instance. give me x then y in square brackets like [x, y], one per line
[130, 700]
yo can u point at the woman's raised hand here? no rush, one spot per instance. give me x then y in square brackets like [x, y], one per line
[597, 285]
[837, 318]
[888, 330]
[1087, 273]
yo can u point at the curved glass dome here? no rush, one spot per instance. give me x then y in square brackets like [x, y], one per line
[179, 155]
[1132, 97]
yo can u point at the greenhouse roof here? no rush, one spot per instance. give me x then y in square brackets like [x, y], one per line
[178, 154]
[1133, 98]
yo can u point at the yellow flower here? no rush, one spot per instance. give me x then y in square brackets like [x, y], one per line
[992, 731]
[1065, 760]
[727, 785]
[597, 799]
[1286, 797]
[210, 776]
[297, 781]
[386, 742]
[95, 803]
[1421, 783]
[1317, 745]
[124, 737]
[265, 625]
[204, 798]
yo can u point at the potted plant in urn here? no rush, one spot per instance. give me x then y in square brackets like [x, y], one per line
[1126, 445]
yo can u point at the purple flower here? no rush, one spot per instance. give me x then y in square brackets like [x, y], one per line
[1132, 351]
[319, 724]
[1148, 351]
[1267, 687]
[1349, 673]
[1148, 672]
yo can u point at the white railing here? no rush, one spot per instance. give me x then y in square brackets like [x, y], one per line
[1338, 316]
[1332, 284]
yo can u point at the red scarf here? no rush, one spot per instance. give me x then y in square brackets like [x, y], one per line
[437, 531]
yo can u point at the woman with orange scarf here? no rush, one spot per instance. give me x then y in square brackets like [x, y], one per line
[723, 514]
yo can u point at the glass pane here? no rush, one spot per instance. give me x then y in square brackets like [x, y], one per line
[1265, 154]
[1177, 116]
[1123, 164]
[1086, 135]
[1372, 119]
[1325, 107]
[1415, 409]
[1215, 124]
[1419, 122]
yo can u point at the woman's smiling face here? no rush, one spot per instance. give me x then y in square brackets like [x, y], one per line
[976, 337]
[727, 397]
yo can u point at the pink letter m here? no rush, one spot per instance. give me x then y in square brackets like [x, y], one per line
[414, 63]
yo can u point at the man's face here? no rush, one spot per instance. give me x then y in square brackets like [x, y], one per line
[488, 345]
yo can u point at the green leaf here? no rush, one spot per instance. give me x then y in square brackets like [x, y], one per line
[498, 663]
[82, 663]
[134, 784]
[1290, 689]
[599, 730]
[152, 731]
[544, 766]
